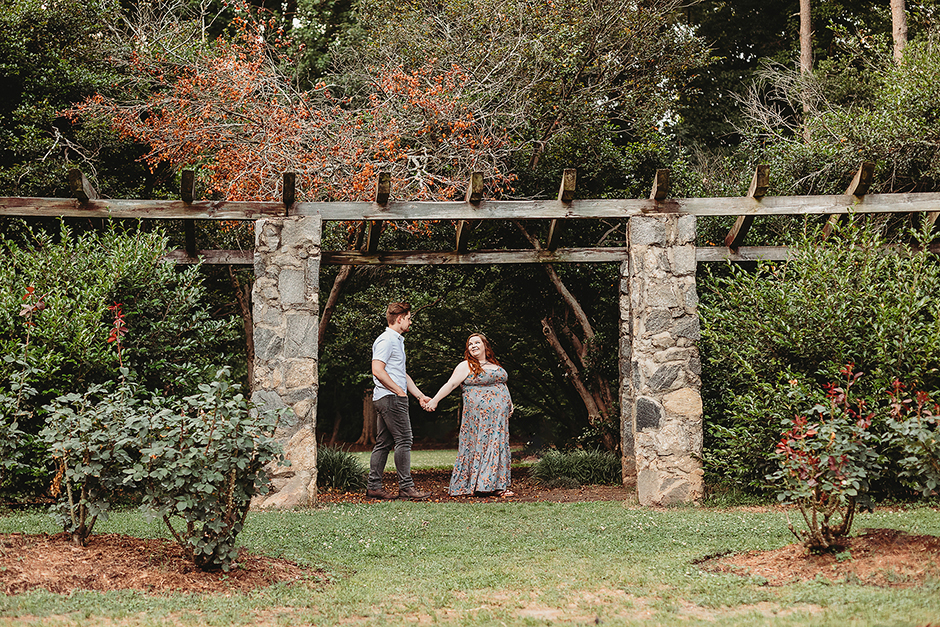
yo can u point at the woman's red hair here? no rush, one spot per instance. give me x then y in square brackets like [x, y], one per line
[473, 362]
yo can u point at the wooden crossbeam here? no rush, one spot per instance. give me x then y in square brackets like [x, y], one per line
[924, 202]
[187, 192]
[473, 196]
[81, 188]
[859, 186]
[383, 191]
[289, 191]
[758, 189]
[661, 184]
[569, 180]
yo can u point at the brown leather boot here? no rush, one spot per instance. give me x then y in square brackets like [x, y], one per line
[380, 493]
[413, 494]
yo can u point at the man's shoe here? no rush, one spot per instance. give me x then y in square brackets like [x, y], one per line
[413, 494]
[380, 494]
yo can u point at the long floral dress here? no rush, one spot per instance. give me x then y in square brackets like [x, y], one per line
[483, 459]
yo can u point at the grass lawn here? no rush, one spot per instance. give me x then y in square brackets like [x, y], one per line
[403, 563]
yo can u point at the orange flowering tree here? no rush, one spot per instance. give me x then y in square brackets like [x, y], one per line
[227, 109]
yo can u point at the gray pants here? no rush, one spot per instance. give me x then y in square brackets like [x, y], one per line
[393, 430]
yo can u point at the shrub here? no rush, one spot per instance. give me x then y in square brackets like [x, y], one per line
[64, 287]
[340, 470]
[202, 459]
[90, 445]
[826, 463]
[849, 298]
[915, 431]
[569, 469]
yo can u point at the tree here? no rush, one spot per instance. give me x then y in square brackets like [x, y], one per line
[899, 27]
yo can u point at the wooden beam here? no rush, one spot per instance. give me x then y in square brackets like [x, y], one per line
[383, 191]
[187, 185]
[661, 184]
[211, 257]
[569, 180]
[758, 189]
[81, 188]
[418, 257]
[859, 186]
[473, 196]
[187, 191]
[289, 191]
[487, 209]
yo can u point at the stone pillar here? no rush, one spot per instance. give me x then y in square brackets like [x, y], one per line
[661, 383]
[285, 309]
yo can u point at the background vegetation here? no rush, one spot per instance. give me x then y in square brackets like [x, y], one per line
[133, 92]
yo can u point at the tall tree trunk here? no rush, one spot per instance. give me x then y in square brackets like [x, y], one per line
[806, 59]
[353, 241]
[899, 28]
[368, 420]
[243, 295]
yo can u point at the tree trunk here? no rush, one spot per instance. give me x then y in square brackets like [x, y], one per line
[899, 28]
[341, 277]
[806, 59]
[597, 397]
[368, 421]
[243, 295]
[337, 421]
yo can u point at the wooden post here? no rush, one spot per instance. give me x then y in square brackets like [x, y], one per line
[187, 192]
[759, 184]
[289, 191]
[383, 191]
[569, 180]
[660, 186]
[81, 187]
[858, 187]
[473, 196]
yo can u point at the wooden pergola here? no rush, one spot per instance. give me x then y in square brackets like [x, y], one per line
[86, 203]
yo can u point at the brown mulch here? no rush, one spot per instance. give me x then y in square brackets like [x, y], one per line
[875, 557]
[118, 562]
[525, 489]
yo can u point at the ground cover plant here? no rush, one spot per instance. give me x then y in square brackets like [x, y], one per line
[398, 563]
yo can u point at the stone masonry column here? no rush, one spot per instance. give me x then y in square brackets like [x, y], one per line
[661, 381]
[286, 318]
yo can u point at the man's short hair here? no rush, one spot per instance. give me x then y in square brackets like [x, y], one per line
[394, 310]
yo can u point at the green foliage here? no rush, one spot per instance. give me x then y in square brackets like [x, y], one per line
[88, 439]
[340, 470]
[826, 462]
[887, 116]
[915, 431]
[847, 299]
[578, 467]
[171, 340]
[202, 459]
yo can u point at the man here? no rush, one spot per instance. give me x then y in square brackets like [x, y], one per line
[390, 398]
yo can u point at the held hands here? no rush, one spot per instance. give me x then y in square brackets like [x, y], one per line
[428, 404]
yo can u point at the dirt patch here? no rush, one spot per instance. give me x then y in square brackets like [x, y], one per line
[876, 557]
[117, 562]
[525, 489]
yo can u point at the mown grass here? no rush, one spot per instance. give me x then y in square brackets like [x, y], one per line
[402, 563]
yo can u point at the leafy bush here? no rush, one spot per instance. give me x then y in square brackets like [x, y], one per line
[202, 459]
[571, 468]
[846, 299]
[915, 431]
[826, 463]
[340, 470]
[67, 285]
[88, 440]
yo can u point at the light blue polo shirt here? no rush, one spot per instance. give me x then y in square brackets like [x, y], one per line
[389, 348]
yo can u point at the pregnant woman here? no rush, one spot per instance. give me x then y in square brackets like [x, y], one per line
[482, 465]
